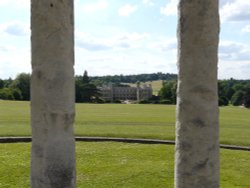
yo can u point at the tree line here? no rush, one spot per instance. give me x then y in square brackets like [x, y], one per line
[85, 86]
[235, 92]
[117, 79]
[19, 88]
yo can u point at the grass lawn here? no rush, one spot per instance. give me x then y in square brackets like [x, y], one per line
[127, 120]
[105, 165]
[156, 85]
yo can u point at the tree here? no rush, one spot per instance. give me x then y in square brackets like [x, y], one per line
[246, 98]
[197, 126]
[8, 82]
[237, 98]
[17, 95]
[168, 91]
[22, 83]
[6, 94]
[85, 90]
[223, 101]
[1, 84]
[85, 78]
[238, 86]
[225, 91]
[52, 94]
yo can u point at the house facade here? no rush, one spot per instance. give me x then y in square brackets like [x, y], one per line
[113, 93]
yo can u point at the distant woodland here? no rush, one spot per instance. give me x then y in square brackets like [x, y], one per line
[230, 92]
[117, 79]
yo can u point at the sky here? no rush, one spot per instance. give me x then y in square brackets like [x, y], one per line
[126, 37]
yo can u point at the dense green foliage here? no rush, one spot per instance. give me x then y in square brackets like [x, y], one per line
[116, 79]
[235, 92]
[18, 89]
[168, 92]
[22, 83]
[127, 120]
[246, 98]
[108, 165]
[85, 90]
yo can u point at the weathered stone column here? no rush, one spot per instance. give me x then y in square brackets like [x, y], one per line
[197, 134]
[52, 94]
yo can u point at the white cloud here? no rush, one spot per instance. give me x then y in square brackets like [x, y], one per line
[231, 10]
[119, 41]
[131, 40]
[90, 43]
[6, 48]
[93, 7]
[16, 3]
[148, 2]
[15, 28]
[4, 2]
[133, 36]
[165, 45]
[246, 29]
[234, 51]
[234, 69]
[14, 61]
[127, 9]
[224, 2]
[170, 8]
[235, 11]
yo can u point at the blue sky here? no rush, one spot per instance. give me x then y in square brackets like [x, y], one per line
[126, 37]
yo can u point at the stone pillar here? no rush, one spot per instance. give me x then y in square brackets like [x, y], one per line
[52, 94]
[197, 129]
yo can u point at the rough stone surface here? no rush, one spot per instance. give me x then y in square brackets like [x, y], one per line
[197, 129]
[52, 94]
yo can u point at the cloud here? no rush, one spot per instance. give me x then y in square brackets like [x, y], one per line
[4, 2]
[224, 2]
[14, 61]
[234, 69]
[132, 36]
[127, 9]
[170, 9]
[93, 7]
[23, 4]
[124, 45]
[231, 10]
[6, 48]
[130, 40]
[15, 28]
[148, 2]
[165, 45]
[102, 59]
[120, 41]
[235, 11]
[246, 29]
[233, 51]
[92, 46]
[90, 43]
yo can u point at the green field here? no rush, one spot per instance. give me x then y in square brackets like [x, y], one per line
[118, 164]
[127, 120]
[105, 165]
[156, 85]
